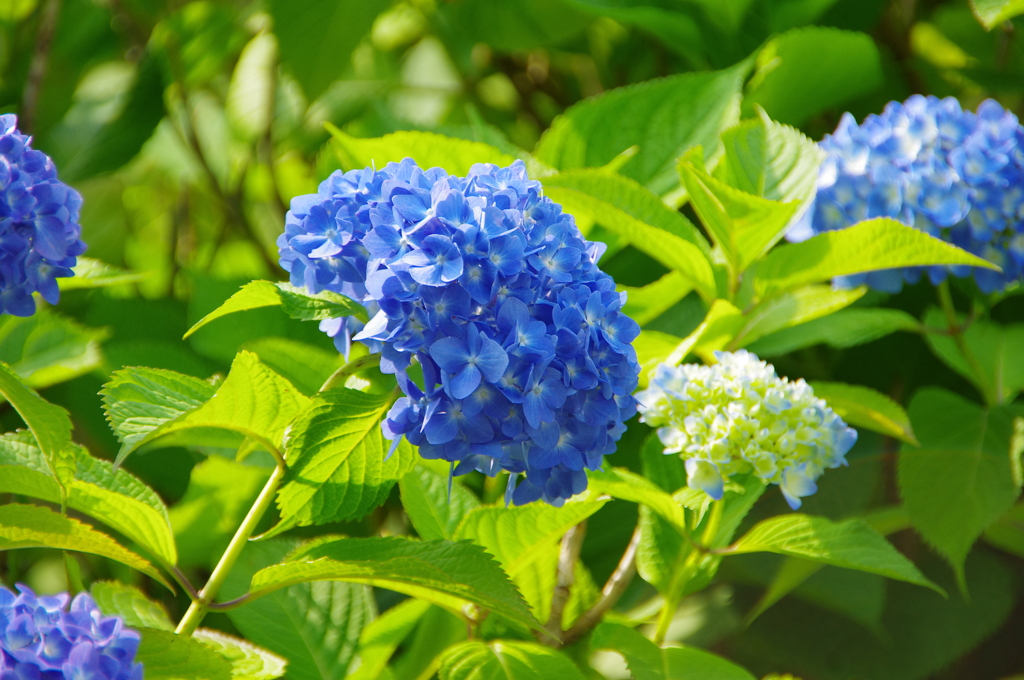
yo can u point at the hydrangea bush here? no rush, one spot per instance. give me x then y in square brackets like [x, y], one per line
[739, 417]
[45, 638]
[526, 357]
[954, 174]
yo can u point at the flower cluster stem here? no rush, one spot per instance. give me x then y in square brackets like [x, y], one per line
[201, 605]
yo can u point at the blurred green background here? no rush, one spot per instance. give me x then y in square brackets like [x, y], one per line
[189, 126]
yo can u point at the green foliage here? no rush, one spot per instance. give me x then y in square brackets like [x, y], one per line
[995, 347]
[248, 662]
[128, 602]
[647, 661]
[991, 13]
[505, 660]
[167, 656]
[429, 150]
[863, 407]
[46, 349]
[435, 508]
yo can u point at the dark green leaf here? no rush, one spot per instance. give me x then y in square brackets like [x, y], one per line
[506, 660]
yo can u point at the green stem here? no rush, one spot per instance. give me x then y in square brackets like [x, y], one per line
[989, 392]
[201, 605]
[338, 378]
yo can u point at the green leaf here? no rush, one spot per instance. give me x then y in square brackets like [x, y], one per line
[845, 328]
[128, 602]
[253, 401]
[167, 656]
[647, 303]
[506, 660]
[995, 346]
[851, 544]
[991, 13]
[770, 160]
[138, 401]
[120, 139]
[338, 464]
[45, 348]
[676, 30]
[295, 301]
[647, 661]
[250, 100]
[316, 626]
[628, 486]
[743, 225]
[434, 512]
[808, 70]
[32, 526]
[793, 308]
[50, 425]
[92, 273]
[381, 638]
[511, 25]
[248, 662]
[303, 365]
[117, 499]
[626, 208]
[960, 480]
[867, 246]
[1007, 533]
[663, 117]
[524, 540]
[318, 37]
[444, 573]
[864, 407]
[428, 149]
[220, 493]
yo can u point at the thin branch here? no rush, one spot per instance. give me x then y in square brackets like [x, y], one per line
[610, 594]
[38, 66]
[183, 581]
[568, 556]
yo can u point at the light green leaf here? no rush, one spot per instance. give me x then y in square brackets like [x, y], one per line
[444, 573]
[135, 609]
[626, 208]
[867, 408]
[628, 486]
[92, 273]
[296, 303]
[381, 638]
[253, 401]
[808, 70]
[318, 36]
[960, 480]
[995, 346]
[647, 303]
[647, 661]
[845, 328]
[316, 626]
[45, 349]
[991, 13]
[652, 347]
[338, 464]
[50, 425]
[220, 493]
[663, 117]
[770, 160]
[433, 512]
[524, 540]
[793, 308]
[32, 526]
[117, 499]
[428, 149]
[743, 225]
[250, 99]
[248, 662]
[715, 332]
[506, 660]
[868, 246]
[304, 365]
[167, 656]
[851, 544]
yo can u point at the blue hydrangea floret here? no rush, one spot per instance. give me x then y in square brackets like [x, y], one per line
[739, 417]
[42, 638]
[39, 230]
[486, 286]
[954, 174]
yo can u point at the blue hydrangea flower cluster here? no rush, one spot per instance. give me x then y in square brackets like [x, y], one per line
[739, 417]
[39, 230]
[41, 638]
[525, 355]
[954, 174]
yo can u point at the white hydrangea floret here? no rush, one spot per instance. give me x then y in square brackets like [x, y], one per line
[739, 417]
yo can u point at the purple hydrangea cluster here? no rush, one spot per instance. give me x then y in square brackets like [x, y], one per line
[954, 174]
[41, 638]
[525, 355]
[39, 230]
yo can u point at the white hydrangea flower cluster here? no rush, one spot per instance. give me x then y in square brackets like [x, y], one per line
[739, 417]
